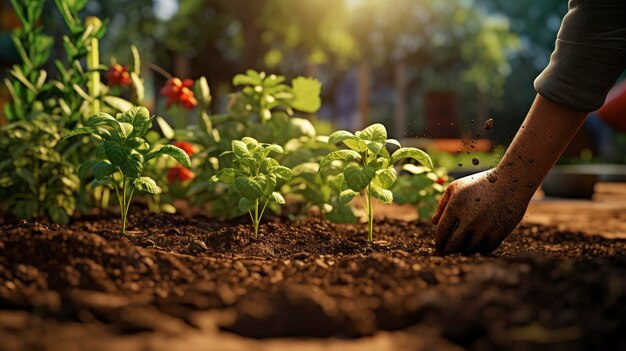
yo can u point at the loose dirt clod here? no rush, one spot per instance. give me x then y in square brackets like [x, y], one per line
[489, 124]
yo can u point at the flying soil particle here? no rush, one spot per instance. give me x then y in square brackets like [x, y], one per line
[460, 164]
[489, 123]
[475, 161]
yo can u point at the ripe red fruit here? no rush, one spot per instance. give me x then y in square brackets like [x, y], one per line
[188, 147]
[179, 173]
[177, 90]
[118, 75]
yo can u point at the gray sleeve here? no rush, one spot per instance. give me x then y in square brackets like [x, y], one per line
[589, 57]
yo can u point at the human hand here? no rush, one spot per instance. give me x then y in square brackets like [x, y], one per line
[476, 213]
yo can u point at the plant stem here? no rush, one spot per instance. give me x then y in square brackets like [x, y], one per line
[123, 209]
[93, 61]
[370, 215]
[256, 219]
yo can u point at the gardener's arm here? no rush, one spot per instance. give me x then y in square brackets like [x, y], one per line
[476, 213]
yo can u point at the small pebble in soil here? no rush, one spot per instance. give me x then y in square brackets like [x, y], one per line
[197, 247]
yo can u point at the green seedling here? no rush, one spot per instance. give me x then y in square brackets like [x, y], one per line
[123, 153]
[255, 176]
[368, 166]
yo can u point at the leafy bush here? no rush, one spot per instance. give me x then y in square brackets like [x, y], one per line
[35, 179]
[368, 166]
[254, 177]
[123, 154]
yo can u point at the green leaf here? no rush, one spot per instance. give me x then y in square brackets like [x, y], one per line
[133, 167]
[175, 152]
[102, 118]
[414, 153]
[375, 132]
[274, 148]
[386, 177]
[102, 169]
[225, 175]
[203, 91]
[102, 133]
[281, 172]
[356, 144]
[86, 169]
[347, 196]
[136, 60]
[108, 182]
[338, 184]
[339, 136]
[139, 118]
[277, 198]
[343, 155]
[374, 146]
[306, 93]
[246, 205]
[357, 178]
[140, 91]
[383, 195]
[415, 169]
[394, 142]
[137, 143]
[240, 149]
[165, 127]
[147, 184]
[116, 152]
[250, 187]
[117, 103]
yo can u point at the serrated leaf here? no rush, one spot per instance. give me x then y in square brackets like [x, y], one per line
[102, 169]
[225, 175]
[386, 177]
[173, 151]
[281, 172]
[147, 184]
[343, 155]
[277, 198]
[358, 178]
[347, 196]
[306, 92]
[339, 136]
[240, 149]
[249, 187]
[414, 153]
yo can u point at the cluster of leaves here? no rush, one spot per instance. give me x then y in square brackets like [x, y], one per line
[421, 187]
[123, 153]
[265, 107]
[254, 177]
[368, 166]
[35, 180]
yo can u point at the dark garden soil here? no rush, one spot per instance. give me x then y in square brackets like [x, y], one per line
[543, 289]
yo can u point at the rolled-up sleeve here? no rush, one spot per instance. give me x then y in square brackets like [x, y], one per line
[589, 57]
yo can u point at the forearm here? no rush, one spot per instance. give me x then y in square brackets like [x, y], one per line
[540, 141]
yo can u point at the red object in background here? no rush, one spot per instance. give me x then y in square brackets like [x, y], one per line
[179, 173]
[441, 180]
[188, 147]
[613, 112]
[178, 91]
[118, 75]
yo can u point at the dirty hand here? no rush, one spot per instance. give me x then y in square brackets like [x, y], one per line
[478, 212]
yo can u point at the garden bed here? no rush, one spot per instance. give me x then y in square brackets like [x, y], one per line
[172, 275]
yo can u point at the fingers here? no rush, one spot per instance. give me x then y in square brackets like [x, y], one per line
[443, 203]
[491, 244]
[445, 229]
[459, 242]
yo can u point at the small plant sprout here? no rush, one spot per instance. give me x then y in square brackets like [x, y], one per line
[255, 176]
[368, 166]
[123, 153]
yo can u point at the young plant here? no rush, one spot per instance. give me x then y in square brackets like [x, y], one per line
[123, 154]
[254, 177]
[368, 166]
[420, 187]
